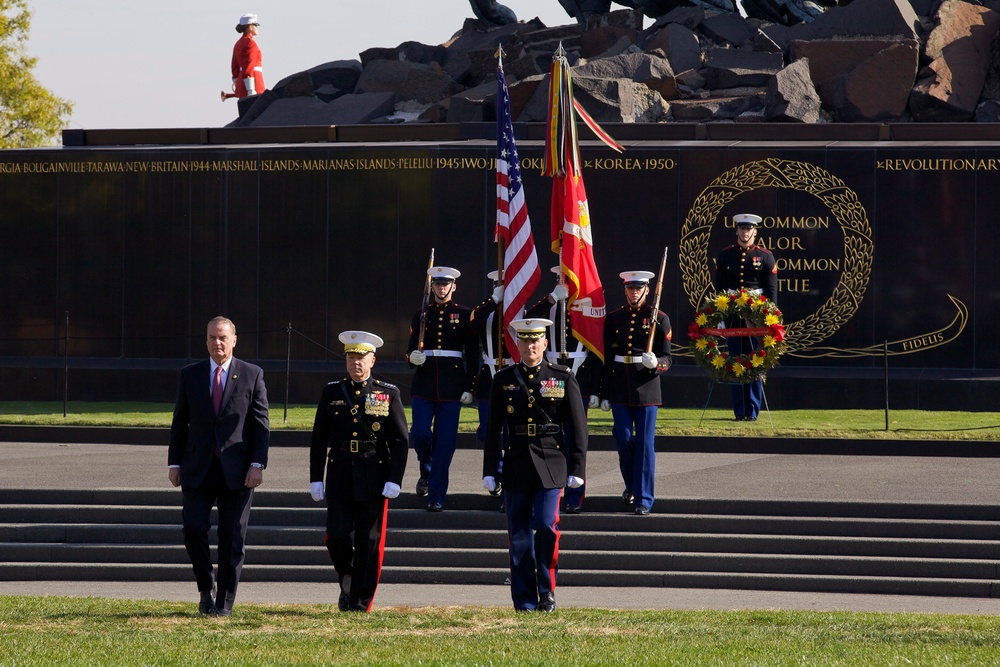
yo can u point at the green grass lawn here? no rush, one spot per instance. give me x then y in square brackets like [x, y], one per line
[903, 424]
[89, 631]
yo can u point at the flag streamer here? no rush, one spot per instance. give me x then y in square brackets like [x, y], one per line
[572, 236]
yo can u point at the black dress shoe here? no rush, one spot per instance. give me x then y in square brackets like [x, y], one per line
[749, 419]
[344, 602]
[572, 509]
[641, 510]
[546, 602]
[207, 604]
[627, 497]
[219, 611]
[422, 487]
[435, 507]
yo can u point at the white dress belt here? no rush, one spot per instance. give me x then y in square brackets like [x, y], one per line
[555, 356]
[488, 360]
[628, 360]
[443, 353]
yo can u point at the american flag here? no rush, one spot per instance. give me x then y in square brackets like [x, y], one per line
[520, 263]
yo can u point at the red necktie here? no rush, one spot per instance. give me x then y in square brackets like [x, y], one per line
[217, 389]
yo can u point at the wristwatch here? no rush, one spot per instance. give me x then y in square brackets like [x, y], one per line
[259, 466]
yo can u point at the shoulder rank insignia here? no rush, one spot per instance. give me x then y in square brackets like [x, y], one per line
[387, 385]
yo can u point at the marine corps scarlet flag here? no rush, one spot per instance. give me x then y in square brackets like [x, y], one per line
[572, 236]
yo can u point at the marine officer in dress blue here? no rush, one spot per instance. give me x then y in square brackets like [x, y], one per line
[534, 399]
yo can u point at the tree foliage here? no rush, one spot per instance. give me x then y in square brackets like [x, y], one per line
[29, 114]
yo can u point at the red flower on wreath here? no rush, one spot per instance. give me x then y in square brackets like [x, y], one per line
[778, 332]
[694, 331]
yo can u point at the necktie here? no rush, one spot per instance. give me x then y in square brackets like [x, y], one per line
[217, 389]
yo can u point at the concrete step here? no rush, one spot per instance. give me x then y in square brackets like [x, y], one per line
[135, 535]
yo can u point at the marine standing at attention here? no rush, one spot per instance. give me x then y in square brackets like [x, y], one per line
[445, 376]
[630, 386]
[749, 266]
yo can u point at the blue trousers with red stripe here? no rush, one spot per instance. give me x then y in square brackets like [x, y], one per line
[533, 536]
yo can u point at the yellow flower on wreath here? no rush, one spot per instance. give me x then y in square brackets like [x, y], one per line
[757, 361]
[718, 361]
[768, 341]
[702, 319]
[722, 303]
[771, 319]
[738, 370]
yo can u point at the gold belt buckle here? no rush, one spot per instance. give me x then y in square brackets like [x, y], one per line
[354, 446]
[531, 430]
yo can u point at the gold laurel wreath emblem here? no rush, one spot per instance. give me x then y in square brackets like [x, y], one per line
[843, 204]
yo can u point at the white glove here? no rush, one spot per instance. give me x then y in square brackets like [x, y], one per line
[251, 87]
[606, 406]
[498, 294]
[490, 484]
[560, 293]
[593, 402]
[466, 398]
[417, 358]
[649, 360]
[574, 482]
[390, 490]
[316, 491]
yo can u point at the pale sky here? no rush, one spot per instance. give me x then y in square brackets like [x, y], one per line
[145, 64]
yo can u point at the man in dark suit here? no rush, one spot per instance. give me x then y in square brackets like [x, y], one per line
[217, 455]
[359, 440]
[630, 387]
[546, 450]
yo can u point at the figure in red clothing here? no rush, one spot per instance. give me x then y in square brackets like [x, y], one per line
[248, 70]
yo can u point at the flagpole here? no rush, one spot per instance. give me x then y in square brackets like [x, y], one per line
[498, 314]
[563, 356]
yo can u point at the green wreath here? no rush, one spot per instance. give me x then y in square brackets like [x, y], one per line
[764, 321]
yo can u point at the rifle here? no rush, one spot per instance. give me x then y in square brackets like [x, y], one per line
[423, 308]
[656, 302]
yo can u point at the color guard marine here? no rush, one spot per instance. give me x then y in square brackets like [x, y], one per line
[483, 322]
[446, 367]
[535, 400]
[359, 442]
[630, 386]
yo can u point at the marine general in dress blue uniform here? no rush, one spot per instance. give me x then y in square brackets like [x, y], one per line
[535, 400]
[749, 266]
[631, 386]
[359, 442]
[445, 377]
[586, 366]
